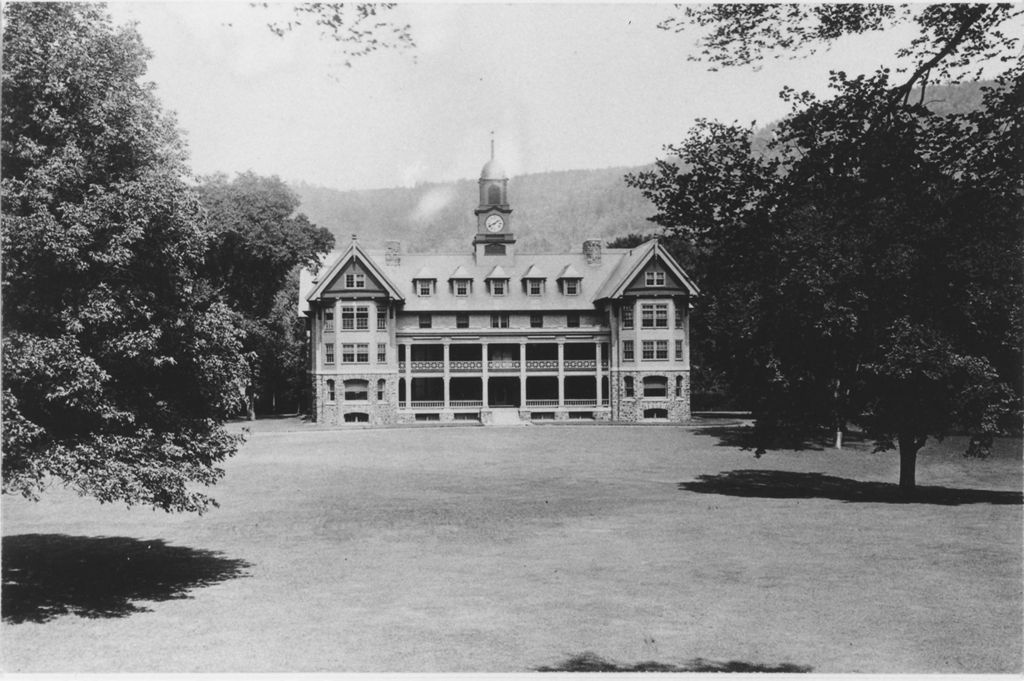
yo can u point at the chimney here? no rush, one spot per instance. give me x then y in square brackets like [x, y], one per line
[592, 251]
[392, 249]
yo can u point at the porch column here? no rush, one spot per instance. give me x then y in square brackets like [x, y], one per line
[408, 375]
[561, 373]
[522, 375]
[597, 373]
[447, 375]
[483, 369]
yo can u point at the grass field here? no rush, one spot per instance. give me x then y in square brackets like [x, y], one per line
[519, 549]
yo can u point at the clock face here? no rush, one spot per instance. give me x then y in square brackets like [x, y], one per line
[494, 223]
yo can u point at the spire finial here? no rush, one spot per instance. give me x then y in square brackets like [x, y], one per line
[355, 237]
[492, 145]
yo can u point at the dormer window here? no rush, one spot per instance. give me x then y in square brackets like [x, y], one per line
[654, 278]
[462, 287]
[571, 287]
[355, 281]
[498, 287]
[534, 287]
[424, 287]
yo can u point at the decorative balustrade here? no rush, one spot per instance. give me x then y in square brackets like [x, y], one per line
[542, 365]
[427, 404]
[466, 403]
[427, 366]
[541, 403]
[503, 365]
[577, 364]
[460, 365]
[499, 365]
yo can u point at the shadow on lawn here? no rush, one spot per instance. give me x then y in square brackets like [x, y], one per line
[589, 662]
[48, 575]
[794, 485]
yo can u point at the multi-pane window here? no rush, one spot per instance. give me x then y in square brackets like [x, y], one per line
[499, 321]
[661, 349]
[330, 391]
[424, 287]
[679, 349]
[462, 287]
[654, 315]
[679, 386]
[362, 353]
[381, 384]
[627, 317]
[627, 383]
[355, 281]
[382, 320]
[348, 353]
[534, 287]
[572, 320]
[362, 318]
[655, 386]
[329, 319]
[382, 353]
[536, 321]
[647, 350]
[654, 278]
[571, 287]
[425, 321]
[462, 321]
[348, 318]
[497, 287]
[679, 316]
[627, 350]
[356, 390]
[328, 353]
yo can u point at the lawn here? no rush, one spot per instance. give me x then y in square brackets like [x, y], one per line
[476, 549]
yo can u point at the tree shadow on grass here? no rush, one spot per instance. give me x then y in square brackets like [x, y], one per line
[742, 437]
[48, 575]
[794, 485]
[589, 662]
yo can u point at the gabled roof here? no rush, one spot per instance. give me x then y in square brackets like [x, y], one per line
[569, 272]
[497, 273]
[534, 273]
[353, 252]
[460, 273]
[634, 261]
[424, 273]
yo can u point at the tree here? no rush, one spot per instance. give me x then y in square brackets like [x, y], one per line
[865, 267]
[259, 244]
[120, 363]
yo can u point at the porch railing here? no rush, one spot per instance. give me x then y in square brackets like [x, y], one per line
[466, 403]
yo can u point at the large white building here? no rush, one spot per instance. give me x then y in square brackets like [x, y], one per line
[492, 334]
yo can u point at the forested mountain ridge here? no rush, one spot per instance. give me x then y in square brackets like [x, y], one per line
[552, 211]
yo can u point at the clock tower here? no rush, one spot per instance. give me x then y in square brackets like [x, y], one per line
[493, 216]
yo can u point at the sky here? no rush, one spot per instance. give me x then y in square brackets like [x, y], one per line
[562, 86]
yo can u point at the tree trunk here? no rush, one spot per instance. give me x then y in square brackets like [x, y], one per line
[839, 437]
[909, 446]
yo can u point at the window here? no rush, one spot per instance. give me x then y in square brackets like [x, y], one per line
[362, 318]
[494, 195]
[655, 386]
[499, 321]
[356, 390]
[355, 281]
[462, 321]
[654, 315]
[330, 391]
[679, 349]
[648, 350]
[655, 413]
[382, 320]
[329, 319]
[627, 351]
[654, 278]
[536, 321]
[627, 383]
[679, 386]
[348, 318]
[382, 353]
[572, 320]
[534, 287]
[424, 287]
[381, 384]
[679, 316]
[627, 317]
[362, 353]
[497, 287]
[357, 417]
[348, 353]
[462, 287]
[494, 249]
[571, 287]
[425, 321]
[328, 353]
[661, 349]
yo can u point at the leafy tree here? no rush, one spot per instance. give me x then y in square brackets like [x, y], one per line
[865, 266]
[258, 245]
[119, 362]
